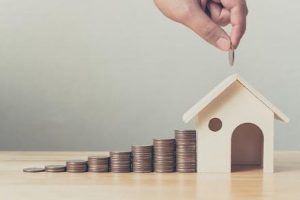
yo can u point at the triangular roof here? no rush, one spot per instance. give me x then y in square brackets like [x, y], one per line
[192, 112]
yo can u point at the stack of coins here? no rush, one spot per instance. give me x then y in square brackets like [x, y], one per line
[186, 156]
[76, 166]
[98, 164]
[120, 162]
[142, 158]
[164, 155]
[55, 168]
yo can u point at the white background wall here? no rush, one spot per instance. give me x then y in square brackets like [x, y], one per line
[102, 75]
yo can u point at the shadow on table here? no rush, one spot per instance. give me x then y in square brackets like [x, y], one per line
[287, 167]
[243, 168]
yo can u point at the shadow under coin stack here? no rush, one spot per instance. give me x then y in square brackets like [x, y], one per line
[120, 162]
[98, 164]
[76, 166]
[164, 155]
[142, 158]
[186, 156]
[55, 168]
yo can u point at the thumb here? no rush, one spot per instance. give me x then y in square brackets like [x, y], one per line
[201, 24]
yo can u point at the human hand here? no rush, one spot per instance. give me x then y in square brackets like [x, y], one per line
[205, 17]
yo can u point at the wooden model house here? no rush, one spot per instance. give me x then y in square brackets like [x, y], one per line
[235, 126]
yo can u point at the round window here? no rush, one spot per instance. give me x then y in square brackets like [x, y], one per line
[215, 124]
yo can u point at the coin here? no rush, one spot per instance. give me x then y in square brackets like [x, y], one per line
[231, 55]
[77, 167]
[120, 170]
[186, 170]
[142, 148]
[164, 170]
[185, 132]
[98, 170]
[163, 141]
[55, 168]
[33, 169]
[142, 171]
[98, 160]
[98, 167]
[76, 171]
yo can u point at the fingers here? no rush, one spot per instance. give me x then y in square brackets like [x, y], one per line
[203, 4]
[201, 24]
[238, 21]
[218, 14]
[238, 12]
[192, 14]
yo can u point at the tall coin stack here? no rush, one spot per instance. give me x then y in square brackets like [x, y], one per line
[164, 155]
[98, 164]
[186, 155]
[76, 166]
[142, 158]
[120, 162]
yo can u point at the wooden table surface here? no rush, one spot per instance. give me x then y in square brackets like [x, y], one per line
[284, 184]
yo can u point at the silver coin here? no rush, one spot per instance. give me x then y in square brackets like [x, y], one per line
[231, 55]
[33, 169]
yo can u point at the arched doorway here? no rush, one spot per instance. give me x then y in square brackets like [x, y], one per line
[247, 143]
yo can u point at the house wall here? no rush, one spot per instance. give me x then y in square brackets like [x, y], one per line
[235, 106]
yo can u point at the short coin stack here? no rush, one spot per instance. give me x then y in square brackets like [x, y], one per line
[186, 157]
[164, 155]
[55, 168]
[98, 164]
[120, 162]
[142, 158]
[33, 169]
[76, 166]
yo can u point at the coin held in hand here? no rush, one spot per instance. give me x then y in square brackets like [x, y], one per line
[231, 55]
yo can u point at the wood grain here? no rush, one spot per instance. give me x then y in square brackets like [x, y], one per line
[253, 184]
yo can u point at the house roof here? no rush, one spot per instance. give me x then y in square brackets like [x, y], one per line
[192, 112]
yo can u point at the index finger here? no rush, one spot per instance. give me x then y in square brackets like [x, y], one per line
[238, 12]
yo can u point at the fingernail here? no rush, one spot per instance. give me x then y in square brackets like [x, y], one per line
[223, 44]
